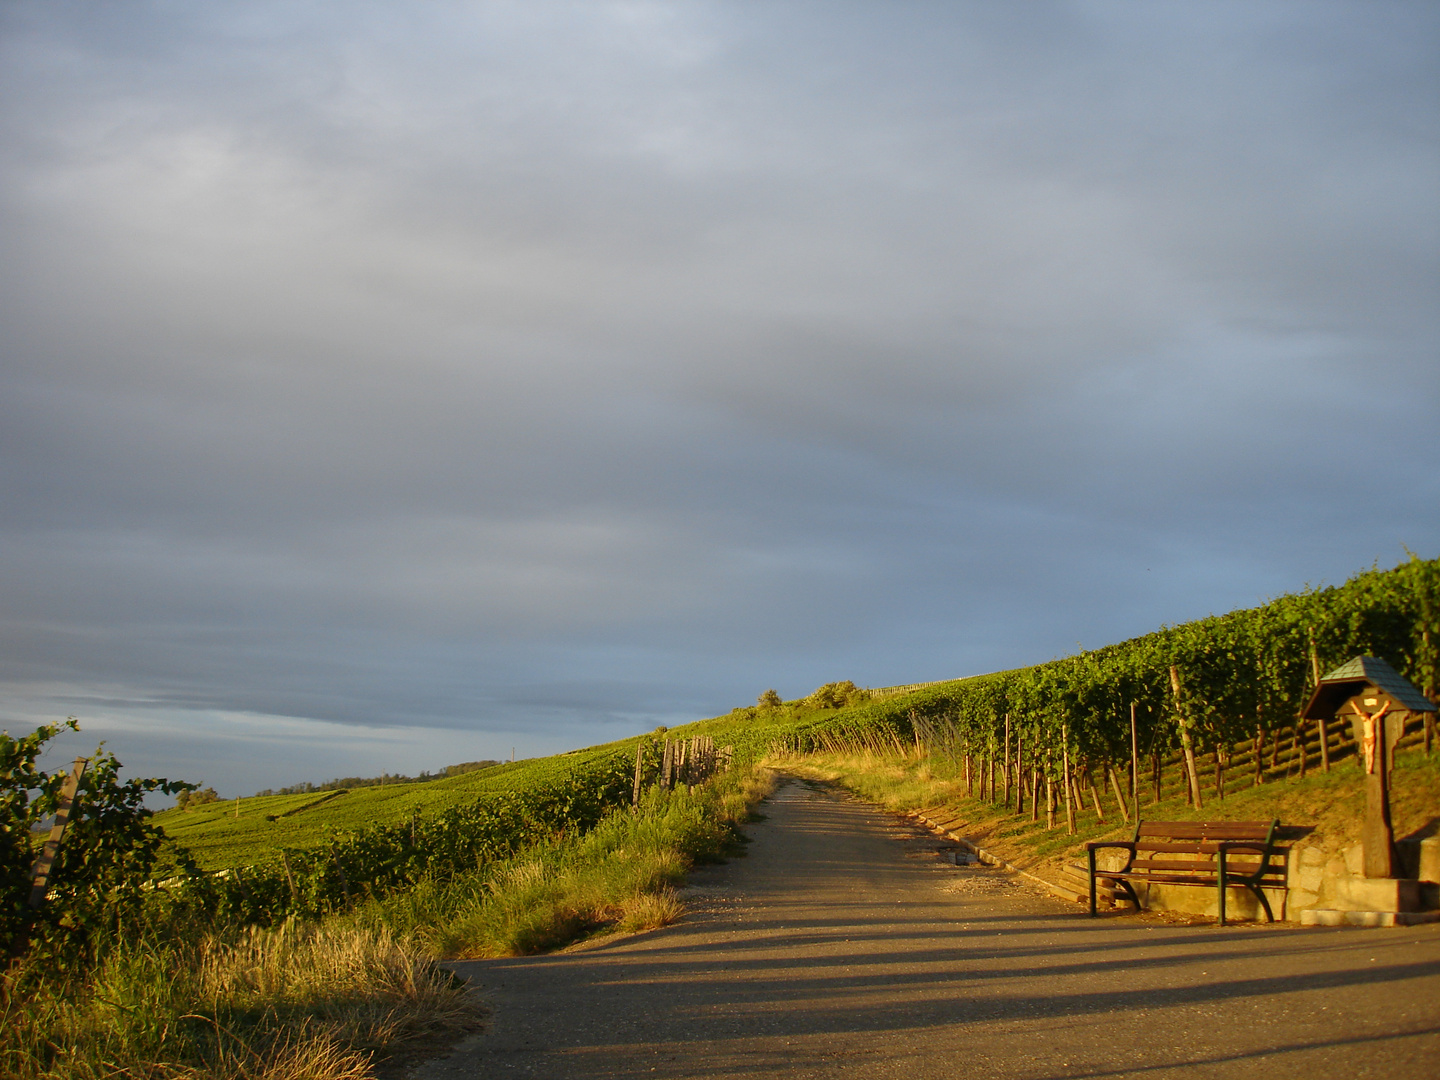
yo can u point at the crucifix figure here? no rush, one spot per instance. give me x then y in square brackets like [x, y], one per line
[1377, 735]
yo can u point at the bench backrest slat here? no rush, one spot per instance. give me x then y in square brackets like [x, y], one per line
[1205, 830]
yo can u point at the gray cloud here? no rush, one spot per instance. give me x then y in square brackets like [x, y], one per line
[537, 373]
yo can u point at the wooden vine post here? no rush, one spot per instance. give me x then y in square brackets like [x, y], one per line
[1134, 760]
[1094, 793]
[1119, 793]
[1019, 772]
[1068, 783]
[1005, 767]
[1049, 794]
[40, 875]
[1324, 733]
[639, 765]
[1185, 742]
[1429, 690]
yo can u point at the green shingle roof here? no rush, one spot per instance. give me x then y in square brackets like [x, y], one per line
[1341, 683]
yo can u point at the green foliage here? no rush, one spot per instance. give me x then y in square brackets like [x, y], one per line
[836, 695]
[770, 699]
[193, 800]
[376, 859]
[111, 847]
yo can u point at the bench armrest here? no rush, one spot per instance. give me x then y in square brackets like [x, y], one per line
[1258, 847]
[1092, 846]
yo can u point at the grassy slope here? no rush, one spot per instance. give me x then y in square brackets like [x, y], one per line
[220, 837]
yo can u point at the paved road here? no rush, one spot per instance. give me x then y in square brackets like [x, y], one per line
[842, 946]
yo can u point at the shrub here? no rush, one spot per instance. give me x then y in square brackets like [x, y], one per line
[107, 858]
[189, 800]
[836, 695]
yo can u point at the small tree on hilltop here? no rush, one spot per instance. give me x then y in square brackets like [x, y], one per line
[836, 695]
[189, 800]
[770, 700]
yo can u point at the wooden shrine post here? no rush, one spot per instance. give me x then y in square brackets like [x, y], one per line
[1377, 700]
[1376, 735]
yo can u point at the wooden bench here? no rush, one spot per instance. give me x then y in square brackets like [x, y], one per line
[1211, 854]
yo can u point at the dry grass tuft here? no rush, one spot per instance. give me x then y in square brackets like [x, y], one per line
[649, 911]
[359, 985]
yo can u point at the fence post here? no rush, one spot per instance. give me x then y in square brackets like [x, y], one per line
[639, 763]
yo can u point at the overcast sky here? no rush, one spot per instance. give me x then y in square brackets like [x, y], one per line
[386, 385]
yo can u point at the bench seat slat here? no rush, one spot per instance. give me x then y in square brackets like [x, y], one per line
[1174, 866]
[1149, 874]
[1199, 847]
[1191, 879]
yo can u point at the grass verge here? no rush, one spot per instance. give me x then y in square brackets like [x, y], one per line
[619, 877]
[327, 1000]
[292, 1002]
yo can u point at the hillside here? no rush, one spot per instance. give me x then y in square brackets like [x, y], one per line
[241, 832]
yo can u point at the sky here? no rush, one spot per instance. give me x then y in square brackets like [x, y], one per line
[390, 385]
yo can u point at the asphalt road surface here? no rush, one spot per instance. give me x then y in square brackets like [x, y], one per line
[841, 945]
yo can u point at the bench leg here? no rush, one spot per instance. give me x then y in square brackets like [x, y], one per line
[1220, 877]
[1131, 893]
[1264, 902]
[1093, 912]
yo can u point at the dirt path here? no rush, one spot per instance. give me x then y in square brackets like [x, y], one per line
[842, 946]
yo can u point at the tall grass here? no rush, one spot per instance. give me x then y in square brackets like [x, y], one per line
[620, 876]
[293, 1002]
[323, 1000]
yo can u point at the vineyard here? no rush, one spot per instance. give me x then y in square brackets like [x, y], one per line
[241, 832]
[532, 854]
[1221, 697]
[1203, 708]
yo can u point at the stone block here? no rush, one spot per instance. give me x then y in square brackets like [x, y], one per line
[1310, 878]
[1354, 857]
[1420, 858]
[1372, 894]
[1429, 869]
[1240, 903]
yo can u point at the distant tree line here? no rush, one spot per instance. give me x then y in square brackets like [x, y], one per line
[348, 782]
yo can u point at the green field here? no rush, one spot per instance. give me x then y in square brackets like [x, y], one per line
[243, 832]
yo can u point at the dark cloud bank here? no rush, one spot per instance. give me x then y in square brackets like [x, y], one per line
[386, 385]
